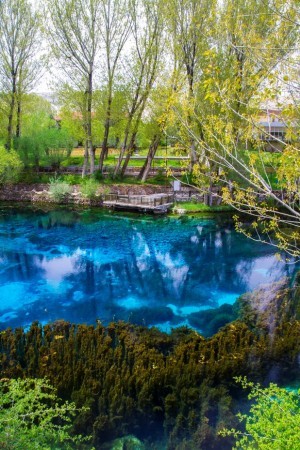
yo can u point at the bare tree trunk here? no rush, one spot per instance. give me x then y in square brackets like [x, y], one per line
[86, 159]
[151, 153]
[131, 146]
[134, 107]
[129, 153]
[122, 151]
[193, 152]
[104, 149]
[9, 142]
[19, 114]
[89, 123]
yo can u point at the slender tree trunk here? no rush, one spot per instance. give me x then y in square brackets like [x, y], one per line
[122, 150]
[129, 152]
[151, 153]
[134, 133]
[104, 149]
[9, 143]
[86, 158]
[19, 116]
[193, 153]
[135, 104]
[19, 105]
[89, 123]
[240, 60]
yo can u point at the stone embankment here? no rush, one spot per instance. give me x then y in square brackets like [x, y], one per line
[40, 193]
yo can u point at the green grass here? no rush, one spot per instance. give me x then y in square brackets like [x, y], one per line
[111, 161]
[72, 161]
[76, 158]
[158, 180]
[266, 164]
[194, 207]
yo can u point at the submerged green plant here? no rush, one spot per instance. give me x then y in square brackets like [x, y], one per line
[140, 381]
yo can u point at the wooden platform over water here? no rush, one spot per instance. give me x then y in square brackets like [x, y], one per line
[154, 203]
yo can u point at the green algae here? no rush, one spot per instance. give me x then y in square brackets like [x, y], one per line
[143, 382]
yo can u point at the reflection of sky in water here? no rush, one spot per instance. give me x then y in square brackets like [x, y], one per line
[80, 266]
[55, 270]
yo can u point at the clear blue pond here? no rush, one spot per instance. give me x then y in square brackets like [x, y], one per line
[82, 266]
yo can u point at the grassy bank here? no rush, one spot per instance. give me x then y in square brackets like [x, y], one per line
[195, 207]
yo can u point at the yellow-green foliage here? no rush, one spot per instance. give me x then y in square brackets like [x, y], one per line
[273, 421]
[30, 412]
[10, 166]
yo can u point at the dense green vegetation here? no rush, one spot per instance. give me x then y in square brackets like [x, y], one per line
[30, 412]
[273, 421]
[10, 166]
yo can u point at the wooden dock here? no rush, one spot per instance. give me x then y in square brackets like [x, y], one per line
[154, 203]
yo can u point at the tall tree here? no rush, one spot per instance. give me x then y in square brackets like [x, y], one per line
[158, 111]
[18, 47]
[115, 27]
[189, 25]
[28, 76]
[242, 70]
[74, 34]
[147, 32]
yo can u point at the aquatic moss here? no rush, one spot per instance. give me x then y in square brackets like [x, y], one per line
[144, 382]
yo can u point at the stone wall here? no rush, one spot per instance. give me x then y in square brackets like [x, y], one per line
[39, 193]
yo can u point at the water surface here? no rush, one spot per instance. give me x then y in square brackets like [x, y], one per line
[87, 265]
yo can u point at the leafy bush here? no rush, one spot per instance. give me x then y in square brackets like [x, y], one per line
[30, 412]
[59, 189]
[273, 421]
[72, 179]
[89, 188]
[98, 175]
[50, 145]
[10, 166]
[31, 176]
[57, 145]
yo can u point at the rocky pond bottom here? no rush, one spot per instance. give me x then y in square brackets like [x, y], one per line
[90, 266]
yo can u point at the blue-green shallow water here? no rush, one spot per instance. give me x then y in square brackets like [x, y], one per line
[81, 266]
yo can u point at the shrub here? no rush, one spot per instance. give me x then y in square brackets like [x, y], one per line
[72, 179]
[59, 189]
[89, 188]
[50, 145]
[31, 412]
[10, 166]
[273, 420]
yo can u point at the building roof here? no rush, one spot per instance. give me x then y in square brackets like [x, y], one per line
[277, 124]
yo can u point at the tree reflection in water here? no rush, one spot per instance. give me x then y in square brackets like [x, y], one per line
[87, 265]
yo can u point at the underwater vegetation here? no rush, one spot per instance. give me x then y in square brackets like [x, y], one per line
[178, 387]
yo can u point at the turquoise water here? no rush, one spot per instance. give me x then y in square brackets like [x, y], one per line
[84, 266]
